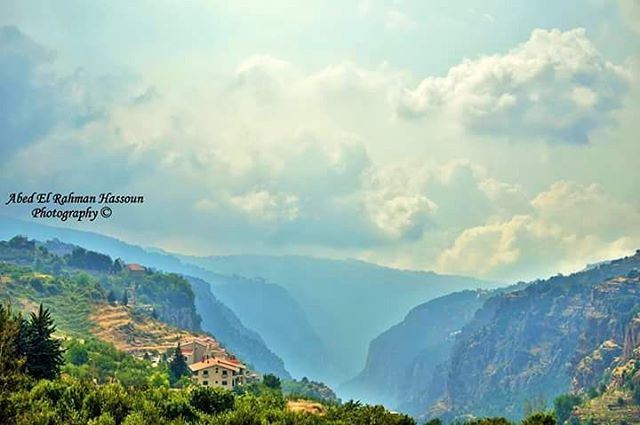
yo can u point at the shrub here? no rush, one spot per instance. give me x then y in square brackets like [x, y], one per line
[211, 400]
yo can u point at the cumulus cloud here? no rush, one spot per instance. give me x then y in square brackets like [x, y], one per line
[263, 205]
[556, 86]
[407, 202]
[270, 157]
[570, 225]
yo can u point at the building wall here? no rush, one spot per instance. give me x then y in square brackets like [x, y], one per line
[217, 376]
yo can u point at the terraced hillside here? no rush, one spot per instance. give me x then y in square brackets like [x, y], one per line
[79, 291]
[131, 332]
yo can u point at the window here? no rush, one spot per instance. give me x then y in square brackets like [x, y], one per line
[205, 373]
[195, 373]
[224, 373]
[205, 383]
[224, 382]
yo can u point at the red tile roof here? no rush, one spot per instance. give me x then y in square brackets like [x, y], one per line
[135, 267]
[206, 364]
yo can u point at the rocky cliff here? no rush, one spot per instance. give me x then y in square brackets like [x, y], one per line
[554, 336]
[404, 357]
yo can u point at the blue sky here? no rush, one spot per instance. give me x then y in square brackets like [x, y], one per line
[492, 138]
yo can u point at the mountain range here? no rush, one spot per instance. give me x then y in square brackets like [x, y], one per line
[316, 315]
[348, 302]
[460, 353]
[492, 353]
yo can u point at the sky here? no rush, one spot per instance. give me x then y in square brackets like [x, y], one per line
[494, 138]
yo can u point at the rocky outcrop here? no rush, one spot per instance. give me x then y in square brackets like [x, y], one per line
[632, 339]
[180, 317]
[554, 336]
[591, 368]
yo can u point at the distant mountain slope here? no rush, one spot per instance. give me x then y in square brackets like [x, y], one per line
[78, 297]
[113, 247]
[218, 319]
[348, 302]
[215, 315]
[428, 331]
[272, 312]
[541, 341]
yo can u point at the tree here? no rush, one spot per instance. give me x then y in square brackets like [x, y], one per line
[636, 393]
[118, 265]
[77, 353]
[211, 400]
[111, 297]
[539, 419]
[11, 359]
[43, 353]
[178, 366]
[271, 381]
[125, 298]
[563, 406]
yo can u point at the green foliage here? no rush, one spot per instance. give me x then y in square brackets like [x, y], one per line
[89, 260]
[485, 421]
[211, 400]
[636, 394]
[77, 353]
[43, 353]
[178, 367]
[539, 418]
[271, 381]
[85, 277]
[111, 297]
[96, 360]
[310, 390]
[563, 406]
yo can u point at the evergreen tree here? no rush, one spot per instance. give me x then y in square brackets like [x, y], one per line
[178, 366]
[44, 355]
[111, 297]
[11, 359]
[125, 298]
[271, 381]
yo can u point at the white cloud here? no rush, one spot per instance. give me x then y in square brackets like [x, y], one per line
[571, 225]
[271, 157]
[266, 206]
[555, 87]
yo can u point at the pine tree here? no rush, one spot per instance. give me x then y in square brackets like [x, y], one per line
[178, 366]
[111, 297]
[43, 352]
[11, 359]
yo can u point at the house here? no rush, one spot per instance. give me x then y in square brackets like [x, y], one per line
[136, 268]
[199, 349]
[216, 372]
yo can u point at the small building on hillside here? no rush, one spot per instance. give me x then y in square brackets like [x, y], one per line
[199, 349]
[215, 372]
[136, 268]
